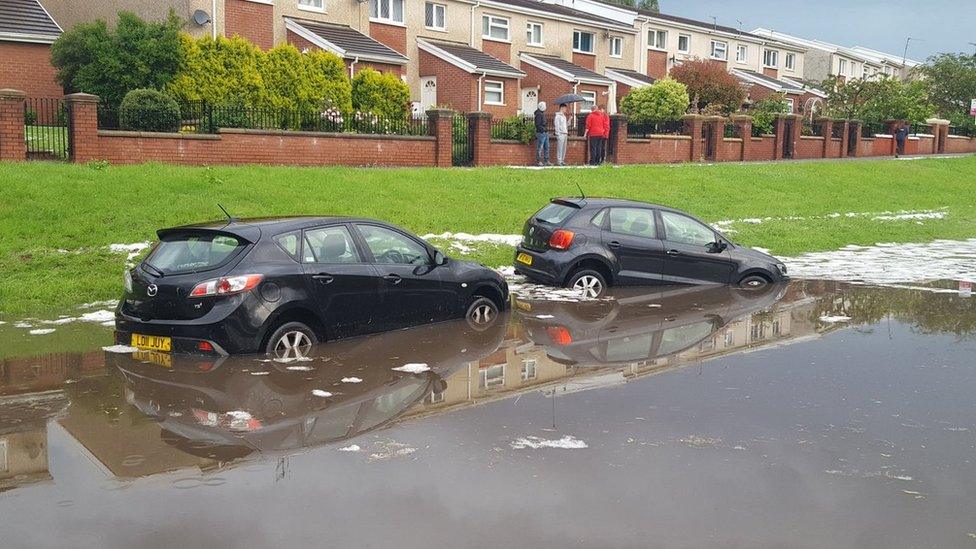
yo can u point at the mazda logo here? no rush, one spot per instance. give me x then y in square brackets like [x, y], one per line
[151, 290]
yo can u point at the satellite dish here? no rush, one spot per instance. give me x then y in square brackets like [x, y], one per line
[201, 17]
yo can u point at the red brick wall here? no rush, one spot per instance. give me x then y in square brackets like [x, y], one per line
[251, 20]
[728, 150]
[771, 72]
[959, 145]
[584, 60]
[381, 67]
[760, 148]
[657, 63]
[300, 42]
[809, 146]
[622, 91]
[504, 153]
[655, 150]
[602, 97]
[27, 67]
[550, 85]
[394, 36]
[499, 50]
[834, 148]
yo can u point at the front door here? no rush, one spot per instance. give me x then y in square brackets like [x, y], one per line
[343, 282]
[688, 259]
[428, 93]
[631, 235]
[530, 100]
[413, 292]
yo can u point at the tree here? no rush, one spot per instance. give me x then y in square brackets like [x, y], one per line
[846, 99]
[884, 98]
[381, 94]
[91, 58]
[765, 110]
[646, 5]
[951, 82]
[665, 100]
[710, 86]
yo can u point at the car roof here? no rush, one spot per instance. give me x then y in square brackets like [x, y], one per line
[600, 202]
[251, 228]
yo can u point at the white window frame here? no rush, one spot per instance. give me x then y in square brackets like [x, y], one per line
[742, 49]
[529, 34]
[616, 46]
[318, 6]
[390, 17]
[496, 380]
[725, 50]
[688, 46]
[585, 105]
[434, 8]
[529, 369]
[841, 66]
[489, 22]
[500, 90]
[660, 41]
[579, 33]
[789, 62]
[791, 104]
[771, 55]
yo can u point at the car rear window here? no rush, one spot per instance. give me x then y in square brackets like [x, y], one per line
[192, 252]
[555, 214]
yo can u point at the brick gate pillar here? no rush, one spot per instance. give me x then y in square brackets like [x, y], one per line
[743, 124]
[440, 123]
[940, 131]
[693, 128]
[827, 128]
[82, 126]
[13, 147]
[479, 138]
[715, 129]
[779, 128]
[618, 138]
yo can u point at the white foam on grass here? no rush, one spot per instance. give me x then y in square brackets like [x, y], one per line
[509, 239]
[413, 368]
[321, 393]
[833, 319]
[567, 442]
[101, 316]
[41, 331]
[350, 448]
[132, 251]
[121, 349]
[351, 380]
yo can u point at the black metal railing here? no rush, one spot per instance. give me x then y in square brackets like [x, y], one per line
[920, 127]
[870, 129]
[814, 129]
[837, 130]
[643, 130]
[462, 153]
[732, 131]
[757, 131]
[962, 131]
[46, 129]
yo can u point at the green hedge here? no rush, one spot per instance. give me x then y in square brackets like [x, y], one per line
[149, 110]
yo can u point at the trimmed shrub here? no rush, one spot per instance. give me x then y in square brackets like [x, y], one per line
[516, 128]
[663, 101]
[381, 94]
[149, 110]
[764, 111]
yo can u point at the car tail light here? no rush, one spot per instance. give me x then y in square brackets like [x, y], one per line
[559, 335]
[205, 346]
[561, 239]
[127, 280]
[235, 421]
[227, 285]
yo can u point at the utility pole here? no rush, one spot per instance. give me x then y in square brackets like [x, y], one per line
[904, 58]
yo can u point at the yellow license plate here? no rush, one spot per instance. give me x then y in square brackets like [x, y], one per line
[524, 258]
[154, 357]
[523, 305]
[152, 343]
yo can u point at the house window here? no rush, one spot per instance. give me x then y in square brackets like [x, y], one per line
[684, 43]
[588, 102]
[853, 69]
[616, 46]
[533, 34]
[434, 398]
[311, 5]
[582, 41]
[770, 58]
[790, 104]
[494, 92]
[742, 53]
[729, 338]
[494, 28]
[720, 50]
[492, 376]
[435, 16]
[657, 39]
[528, 369]
[791, 61]
[387, 11]
[841, 66]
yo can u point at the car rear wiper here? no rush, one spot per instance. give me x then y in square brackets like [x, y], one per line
[153, 270]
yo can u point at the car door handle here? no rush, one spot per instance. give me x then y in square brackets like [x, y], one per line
[324, 278]
[614, 244]
[674, 252]
[393, 278]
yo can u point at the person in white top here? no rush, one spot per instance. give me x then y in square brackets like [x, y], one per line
[561, 128]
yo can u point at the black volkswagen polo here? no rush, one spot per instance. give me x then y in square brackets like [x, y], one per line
[590, 243]
[279, 285]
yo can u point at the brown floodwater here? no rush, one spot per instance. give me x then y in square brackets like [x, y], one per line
[816, 414]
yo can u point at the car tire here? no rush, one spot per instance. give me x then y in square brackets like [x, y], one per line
[291, 341]
[482, 313]
[589, 282]
[753, 282]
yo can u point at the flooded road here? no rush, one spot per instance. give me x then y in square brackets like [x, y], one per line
[811, 415]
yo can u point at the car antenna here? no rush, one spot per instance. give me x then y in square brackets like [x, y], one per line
[230, 218]
[578, 186]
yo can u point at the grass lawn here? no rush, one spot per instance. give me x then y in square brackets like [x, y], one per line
[56, 220]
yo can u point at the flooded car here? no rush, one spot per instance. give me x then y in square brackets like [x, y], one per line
[280, 285]
[589, 244]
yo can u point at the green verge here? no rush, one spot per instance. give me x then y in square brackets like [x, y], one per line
[57, 219]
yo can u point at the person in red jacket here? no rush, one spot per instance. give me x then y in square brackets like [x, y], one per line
[597, 132]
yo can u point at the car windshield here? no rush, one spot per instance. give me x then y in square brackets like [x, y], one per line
[555, 214]
[190, 252]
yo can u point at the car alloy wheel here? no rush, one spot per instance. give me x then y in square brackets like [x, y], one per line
[753, 282]
[292, 346]
[589, 285]
[482, 313]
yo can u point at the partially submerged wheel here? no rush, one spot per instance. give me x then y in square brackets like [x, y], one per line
[291, 341]
[588, 282]
[482, 313]
[753, 282]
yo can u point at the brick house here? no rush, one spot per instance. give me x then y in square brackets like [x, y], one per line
[27, 31]
[555, 76]
[355, 48]
[802, 99]
[466, 79]
[625, 80]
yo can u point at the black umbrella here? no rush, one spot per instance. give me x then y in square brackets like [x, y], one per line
[569, 98]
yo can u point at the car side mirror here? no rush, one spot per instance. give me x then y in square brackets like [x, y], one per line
[440, 258]
[716, 247]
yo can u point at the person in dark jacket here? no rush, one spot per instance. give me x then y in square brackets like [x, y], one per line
[901, 134]
[541, 135]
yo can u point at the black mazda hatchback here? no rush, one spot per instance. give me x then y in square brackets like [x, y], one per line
[280, 285]
[591, 243]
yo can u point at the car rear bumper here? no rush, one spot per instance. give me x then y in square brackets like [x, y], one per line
[545, 268]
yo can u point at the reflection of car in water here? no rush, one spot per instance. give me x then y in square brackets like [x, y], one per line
[638, 324]
[243, 404]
